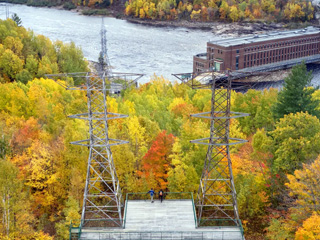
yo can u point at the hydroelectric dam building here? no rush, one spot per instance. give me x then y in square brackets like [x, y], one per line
[272, 51]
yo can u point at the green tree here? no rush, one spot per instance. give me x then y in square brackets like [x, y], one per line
[70, 58]
[15, 216]
[296, 95]
[296, 140]
[182, 177]
[10, 64]
[4, 147]
[234, 14]
[71, 213]
[31, 65]
[16, 19]
[258, 104]
[24, 76]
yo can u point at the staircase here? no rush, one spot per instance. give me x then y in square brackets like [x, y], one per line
[157, 217]
[171, 219]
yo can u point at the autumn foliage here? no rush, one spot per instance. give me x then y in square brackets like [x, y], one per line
[42, 176]
[203, 10]
[156, 162]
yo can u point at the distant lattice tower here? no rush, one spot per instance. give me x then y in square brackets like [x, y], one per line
[103, 57]
[216, 202]
[102, 203]
[7, 11]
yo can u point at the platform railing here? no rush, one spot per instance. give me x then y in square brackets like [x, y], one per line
[170, 235]
[75, 228]
[194, 211]
[166, 196]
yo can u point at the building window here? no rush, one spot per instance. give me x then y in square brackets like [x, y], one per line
[237, 50]
[237, 62]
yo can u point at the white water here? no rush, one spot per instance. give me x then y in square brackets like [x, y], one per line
[131, 47]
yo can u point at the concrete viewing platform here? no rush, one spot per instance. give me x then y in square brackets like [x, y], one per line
[171, 219]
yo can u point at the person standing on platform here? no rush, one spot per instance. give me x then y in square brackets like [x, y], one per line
[161, 193]
[151, 194]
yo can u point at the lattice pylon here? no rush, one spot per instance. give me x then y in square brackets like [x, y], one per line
[102, 203]
[216, 202]
[216, 199]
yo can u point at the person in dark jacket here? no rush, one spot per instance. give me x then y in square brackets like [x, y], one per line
[161, 193]
[151, 194]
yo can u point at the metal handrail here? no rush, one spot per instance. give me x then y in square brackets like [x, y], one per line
[167, 232]
[125, 212]
[194, 211]
[241, 229]
[79, 228]
[70, 228]
[165, 235]
[165, 194]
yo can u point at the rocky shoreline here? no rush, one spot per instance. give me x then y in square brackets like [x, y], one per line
[219, 28]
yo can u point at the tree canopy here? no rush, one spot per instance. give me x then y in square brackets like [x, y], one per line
[296, 95]
[24, 55]
[42, 176]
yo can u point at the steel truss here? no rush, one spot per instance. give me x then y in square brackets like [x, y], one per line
[102, 203]
[103, 58]
[216, 202]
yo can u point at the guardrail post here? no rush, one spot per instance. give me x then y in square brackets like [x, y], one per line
[70, 229]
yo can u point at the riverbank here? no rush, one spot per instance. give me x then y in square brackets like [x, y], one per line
[232, 29]
[219, 28]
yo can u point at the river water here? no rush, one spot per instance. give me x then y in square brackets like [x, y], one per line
[131, 47]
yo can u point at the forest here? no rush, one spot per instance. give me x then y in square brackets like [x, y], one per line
[277, 172]
[195, 10]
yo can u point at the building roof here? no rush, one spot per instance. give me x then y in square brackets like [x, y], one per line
[275, 35]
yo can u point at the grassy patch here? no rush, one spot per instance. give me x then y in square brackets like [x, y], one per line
[95, 12]
[69, 6]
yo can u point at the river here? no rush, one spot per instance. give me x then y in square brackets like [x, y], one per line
[131, 47]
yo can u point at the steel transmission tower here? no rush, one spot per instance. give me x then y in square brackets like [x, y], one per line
[103, 57]
[216, 200]
[7, 11]
[102, 202]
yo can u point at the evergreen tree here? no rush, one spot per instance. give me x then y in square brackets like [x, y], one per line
[296, 95]
[17, 19]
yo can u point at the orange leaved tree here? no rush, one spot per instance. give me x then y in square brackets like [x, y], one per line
[156, 161]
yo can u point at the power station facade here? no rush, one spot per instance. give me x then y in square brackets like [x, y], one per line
[257, 50]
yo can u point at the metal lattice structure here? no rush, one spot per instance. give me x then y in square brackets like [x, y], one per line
[7, 11]
[102, 203]
[216, 202]
[103, 58]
